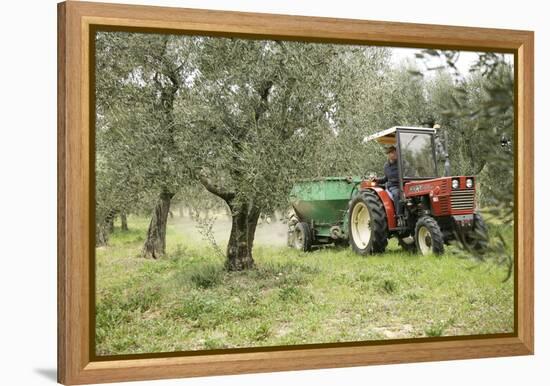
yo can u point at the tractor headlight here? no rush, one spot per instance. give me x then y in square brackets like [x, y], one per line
[469, 183]
[454, 184]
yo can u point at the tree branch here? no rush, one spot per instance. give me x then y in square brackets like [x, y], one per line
[215, 189]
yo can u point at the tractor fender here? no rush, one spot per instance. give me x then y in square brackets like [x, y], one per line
[388, 205]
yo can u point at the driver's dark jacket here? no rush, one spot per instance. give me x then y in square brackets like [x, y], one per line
[391, 175]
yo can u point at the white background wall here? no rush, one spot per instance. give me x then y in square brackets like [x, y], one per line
[28, 190]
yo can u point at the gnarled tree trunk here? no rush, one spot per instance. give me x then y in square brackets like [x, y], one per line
[123, 221]
[104, 228]
[110, 222]
[241, 240]
[244, 219]
[155, 245]
[101, 235]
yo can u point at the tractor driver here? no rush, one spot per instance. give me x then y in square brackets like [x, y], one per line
[391, 179]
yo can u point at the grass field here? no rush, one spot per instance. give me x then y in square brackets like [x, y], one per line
[186, 301]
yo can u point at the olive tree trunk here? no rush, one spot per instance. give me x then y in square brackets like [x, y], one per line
[241, 240]
[155, 244]
[101, 235]
[104, 228]
[110, 223]
[244, 219]
[123, 221]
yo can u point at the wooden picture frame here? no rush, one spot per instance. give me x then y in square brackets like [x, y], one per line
[77, 362]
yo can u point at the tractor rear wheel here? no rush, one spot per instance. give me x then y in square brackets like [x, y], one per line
[302, 237]
[428, 236]
[368, 226]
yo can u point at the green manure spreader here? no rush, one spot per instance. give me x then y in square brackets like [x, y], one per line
[320, 210]
[360, 212]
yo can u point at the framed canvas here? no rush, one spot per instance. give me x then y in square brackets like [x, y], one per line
[234, 118]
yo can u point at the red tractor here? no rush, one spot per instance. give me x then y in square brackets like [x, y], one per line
[436, 210]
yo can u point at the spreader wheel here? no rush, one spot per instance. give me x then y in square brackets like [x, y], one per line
[302, 237]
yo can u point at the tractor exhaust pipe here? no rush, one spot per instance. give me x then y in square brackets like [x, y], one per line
[447, 161]
[442, 145]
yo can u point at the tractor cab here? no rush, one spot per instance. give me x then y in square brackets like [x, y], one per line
[416, 151]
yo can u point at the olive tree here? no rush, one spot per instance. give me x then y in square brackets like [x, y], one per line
[139, 77]
[259, 116]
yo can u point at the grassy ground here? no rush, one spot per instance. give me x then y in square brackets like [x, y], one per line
[187, 302]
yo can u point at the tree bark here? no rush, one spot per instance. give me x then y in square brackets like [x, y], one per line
[110, 222]
[104, 228]
[101, 235]
[241, 240]
[155, 245]
[244, 219]
[123, 221]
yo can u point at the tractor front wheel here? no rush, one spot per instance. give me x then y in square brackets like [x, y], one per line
[302, 237]
[368, 227]
[477, 240]
[428, 236]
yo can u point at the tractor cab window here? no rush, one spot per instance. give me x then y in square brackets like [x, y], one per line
[417, 155]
